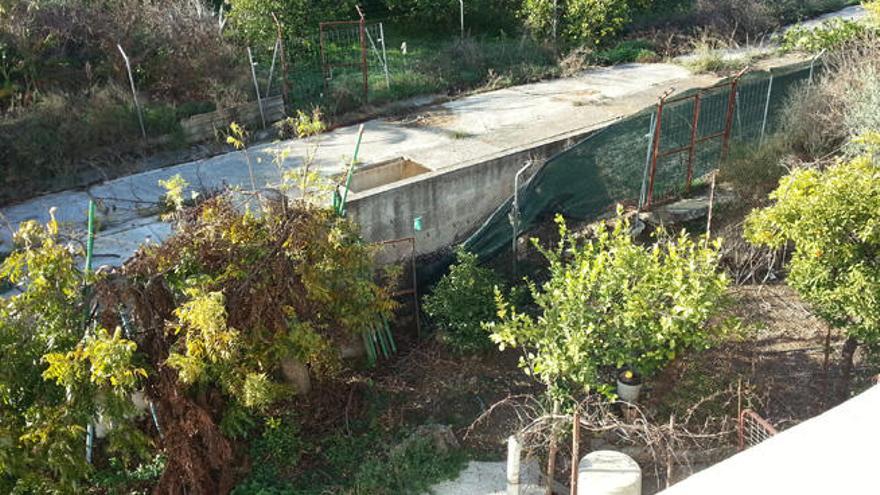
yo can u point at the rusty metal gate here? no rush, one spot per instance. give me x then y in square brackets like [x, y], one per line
[337, 42]
[689, 130]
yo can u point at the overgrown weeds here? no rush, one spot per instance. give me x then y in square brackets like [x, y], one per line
[843, 102]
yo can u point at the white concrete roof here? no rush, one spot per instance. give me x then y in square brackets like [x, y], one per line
[833, 453]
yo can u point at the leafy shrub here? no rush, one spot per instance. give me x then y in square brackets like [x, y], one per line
[274, 454]
[584, 22]
[462, 300]
[481, 16]
[829, 35]
[627, 51]
[612, 302]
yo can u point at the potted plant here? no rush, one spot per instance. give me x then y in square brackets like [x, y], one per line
[629, 385]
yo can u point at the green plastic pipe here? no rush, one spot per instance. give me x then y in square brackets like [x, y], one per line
[90, 242]
[354, 159]
[389, 334]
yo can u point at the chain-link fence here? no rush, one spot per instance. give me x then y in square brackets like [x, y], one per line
[632, 161]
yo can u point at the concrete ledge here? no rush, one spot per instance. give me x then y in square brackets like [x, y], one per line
[452, 202]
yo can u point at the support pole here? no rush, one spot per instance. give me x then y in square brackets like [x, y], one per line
[461, 9]
[552, 449]
[363, 39]
[90, 247]
[284, 88]
[272, 67]
[767, 107]
[256, 86]
[648, 152]
[514, 215]
[354, 159]
[692, 154]
[655, 152]
[137, 105]
[384, 55]
[711, 206]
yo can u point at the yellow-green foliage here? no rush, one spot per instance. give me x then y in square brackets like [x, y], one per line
[832, 217]
[209, 340]
[58, 373]
[584, 22]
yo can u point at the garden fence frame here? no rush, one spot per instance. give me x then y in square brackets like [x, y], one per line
[753, 429]
[657, 152]
[405, 291]
[327, 65]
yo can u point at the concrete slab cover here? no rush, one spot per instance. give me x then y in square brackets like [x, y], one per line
[606, 472]
[490, 478]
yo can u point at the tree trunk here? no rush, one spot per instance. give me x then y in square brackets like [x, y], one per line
[846, 366]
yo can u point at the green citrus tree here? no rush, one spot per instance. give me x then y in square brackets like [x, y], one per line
[462, 300]
[610, 303]
[832, 217]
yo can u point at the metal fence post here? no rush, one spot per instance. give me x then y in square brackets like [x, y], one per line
[655, 152]
[134, 96]
[813, 63]
[363, 40]
[731, 109]
[650, 149]
[514, 214]
[256, 86]
[766, 107]
[692, 153]
[384, 55]
[272, 67]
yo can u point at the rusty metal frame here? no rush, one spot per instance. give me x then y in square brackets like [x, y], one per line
[414, 291]
[756, 421]
[657, 152]
[327, 67]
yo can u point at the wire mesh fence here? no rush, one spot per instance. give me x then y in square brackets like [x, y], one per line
[617, 163]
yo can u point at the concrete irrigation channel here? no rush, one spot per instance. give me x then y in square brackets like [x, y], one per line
[435, 174]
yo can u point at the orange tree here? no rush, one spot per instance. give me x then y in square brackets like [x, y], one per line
[832, 217]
